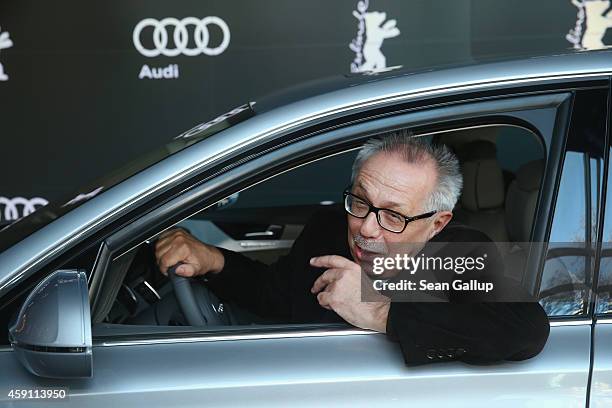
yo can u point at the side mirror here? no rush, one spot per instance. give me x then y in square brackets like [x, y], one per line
[52, 333]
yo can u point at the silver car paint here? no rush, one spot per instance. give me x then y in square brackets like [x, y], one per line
[355, 370]
[601, 382]
[55, 315]
[22, 259]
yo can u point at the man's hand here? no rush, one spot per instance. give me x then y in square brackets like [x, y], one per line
[339, 289]
[178, 245]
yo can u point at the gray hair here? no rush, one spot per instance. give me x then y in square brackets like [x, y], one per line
[415, 150]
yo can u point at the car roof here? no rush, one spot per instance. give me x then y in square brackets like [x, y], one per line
[274, 116]
[477, 68]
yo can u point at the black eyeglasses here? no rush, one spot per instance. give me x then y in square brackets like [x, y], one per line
[388, 219]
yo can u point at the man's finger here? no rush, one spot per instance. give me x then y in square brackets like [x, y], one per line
[186, 270]
[162, 250]
[324, 298]
[172, 243]
[179, 254]
[170, 233]
[162, 244]
[162, 255]
[325, 279]
[332, 261]
[164, 235]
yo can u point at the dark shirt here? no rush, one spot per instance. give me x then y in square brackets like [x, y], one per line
[473, 332]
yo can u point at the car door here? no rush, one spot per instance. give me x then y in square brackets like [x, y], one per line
[601, 382]
[307, 365]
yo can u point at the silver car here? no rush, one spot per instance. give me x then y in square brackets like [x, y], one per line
[88, 320]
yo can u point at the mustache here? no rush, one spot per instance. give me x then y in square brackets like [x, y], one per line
[370, 246]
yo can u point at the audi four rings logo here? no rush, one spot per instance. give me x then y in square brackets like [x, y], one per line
[11, 207]
[181, 36]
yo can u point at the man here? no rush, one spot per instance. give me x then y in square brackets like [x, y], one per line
[403, 191]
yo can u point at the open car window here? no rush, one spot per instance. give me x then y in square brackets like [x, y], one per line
[263, 221]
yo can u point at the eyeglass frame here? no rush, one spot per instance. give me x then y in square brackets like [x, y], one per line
[376, 210]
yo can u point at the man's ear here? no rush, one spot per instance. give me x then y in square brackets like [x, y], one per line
[441, 219]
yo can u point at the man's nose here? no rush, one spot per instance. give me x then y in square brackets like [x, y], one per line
[369, 226]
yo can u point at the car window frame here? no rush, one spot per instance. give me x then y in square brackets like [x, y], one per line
[94, 234]
[606, 191]
[351, 137]
[591, 249]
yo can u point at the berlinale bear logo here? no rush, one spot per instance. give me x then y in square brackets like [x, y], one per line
[368, 55]
[594, 19]
[5, 42]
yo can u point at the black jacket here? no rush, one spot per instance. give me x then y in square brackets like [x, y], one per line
[473, 332]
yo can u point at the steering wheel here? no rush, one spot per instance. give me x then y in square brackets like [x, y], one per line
[199, 305]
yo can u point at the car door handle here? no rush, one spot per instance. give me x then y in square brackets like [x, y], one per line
[259, 234]
[257, 244]
[265, 244]
[272, 231]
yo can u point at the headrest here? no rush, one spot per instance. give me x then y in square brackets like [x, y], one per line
[479, 149]
[522, 200]
[529, 176]
[483, 180]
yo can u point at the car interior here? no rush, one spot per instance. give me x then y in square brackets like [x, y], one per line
[502, 168]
